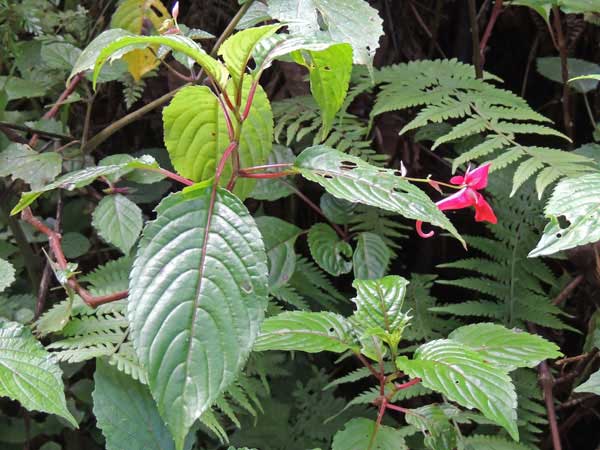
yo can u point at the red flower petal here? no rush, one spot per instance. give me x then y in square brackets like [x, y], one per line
[462, 199]
[458, 180]
[483, 211]
[478, 178]
[419, 227]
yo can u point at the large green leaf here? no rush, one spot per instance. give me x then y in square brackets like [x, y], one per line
[371, 257]
[351, 21]
[118, 221]
[357, 435]
[578, 200]
[7, 274]
[196, 134]
[350, 178]
[551, 68]
[434, 422]
[198, 291]
[311, 332]
[543, 7]
[28, 374]
[463, 376]
[279, 237]
[83, 177]
[37, 169]
[591, 385]
[237, 50]
[120, 46]
[509, 349]
[272, 189]
[330, 71]
[493, 443]
[330, 252]
[126, 412]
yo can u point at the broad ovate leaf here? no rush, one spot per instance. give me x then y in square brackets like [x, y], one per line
[352, 179]
[279, 237]
[465, 377]
[509, 349]
[28, 374]
[196, 135]
[36, 169]
[118, 221]
[578, 201]
[328, 250]
[371, 256]
[591, 385]
[304, 331]
[358, 434]
[272, 189]
[126, 412]
[579, 69]
[7, 274]
[198, 291]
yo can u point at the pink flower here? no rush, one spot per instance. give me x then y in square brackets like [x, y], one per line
[471, 183]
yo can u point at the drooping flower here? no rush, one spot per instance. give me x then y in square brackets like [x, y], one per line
[471, 183]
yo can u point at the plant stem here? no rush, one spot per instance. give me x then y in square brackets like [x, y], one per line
[564, 63]
[408, 384]
[569, 288]
[286, 173]
[171, 175]
[475, 38]
[489, 28]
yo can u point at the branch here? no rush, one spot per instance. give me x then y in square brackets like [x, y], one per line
[568, 290]
[475, 39]
[566, 95]
[489, 28]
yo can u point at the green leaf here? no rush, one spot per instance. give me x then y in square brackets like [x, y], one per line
[551, 68]
[279, 237]
[578, 200]
[196, 134]
[508, 349]
[330, 252]
[197, 295]
[60, 55]
[310, 332]
[350, 21]
[126, 412]
[434, 422]
[16, 88]
[350, 178]
[371, 257]
[75, 244]
[83, 177]
[37, 169]
[7, 274]
[118, 221]
[274, 189]
[330, 71]
[28, 374]
[591, 385]
[120, 46]
[358, 432]
[462, 375]
[493, 443]
[237, 50]
[337, 210]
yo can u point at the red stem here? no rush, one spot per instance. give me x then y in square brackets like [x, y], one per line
[266, 166]
[250, 100]
[172, 175]
[244, 174]
[407, 384]
[488, 30]
[397, 408]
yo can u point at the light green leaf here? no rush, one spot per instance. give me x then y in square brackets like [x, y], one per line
[358, 432]
[279, 237]
[274, 189]
[493, 443]
[60, 55]
[197, 295]
[7, 274]
[120, 46]
[579, 69]
[591, 385]
[462, 375]
[330, 252]
[237, 49]
[434, 422]
[310, 332]
[351, 21]
[330, 71]
[118, 221]
[352, 179]
[37, 169]
[83, 177]
[508, 349]
[16, 88]
[55, 318]
[28, 374]
[578, 200]
[371, 257]
[75, 244]
[196, 134]
[126, 412]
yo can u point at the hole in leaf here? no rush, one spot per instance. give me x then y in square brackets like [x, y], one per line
[347, 165]
[397, 173]
[327, 68]
[156, 11]
[329, 177]
[331, 330]
[563, 222]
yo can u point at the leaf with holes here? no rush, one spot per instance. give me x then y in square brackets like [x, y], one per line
[126, 412]
[358, 433]
[461, 374]
[310, 332]
[37, 169]
[118, 221]
[279, 237]
[509, 349]
[197, 295]
[196, 135]
[350, 178]
[371, 257]
[577, 200]
[327, 249]
[28, 374]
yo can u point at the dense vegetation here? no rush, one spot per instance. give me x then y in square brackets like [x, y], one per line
[285, 224]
